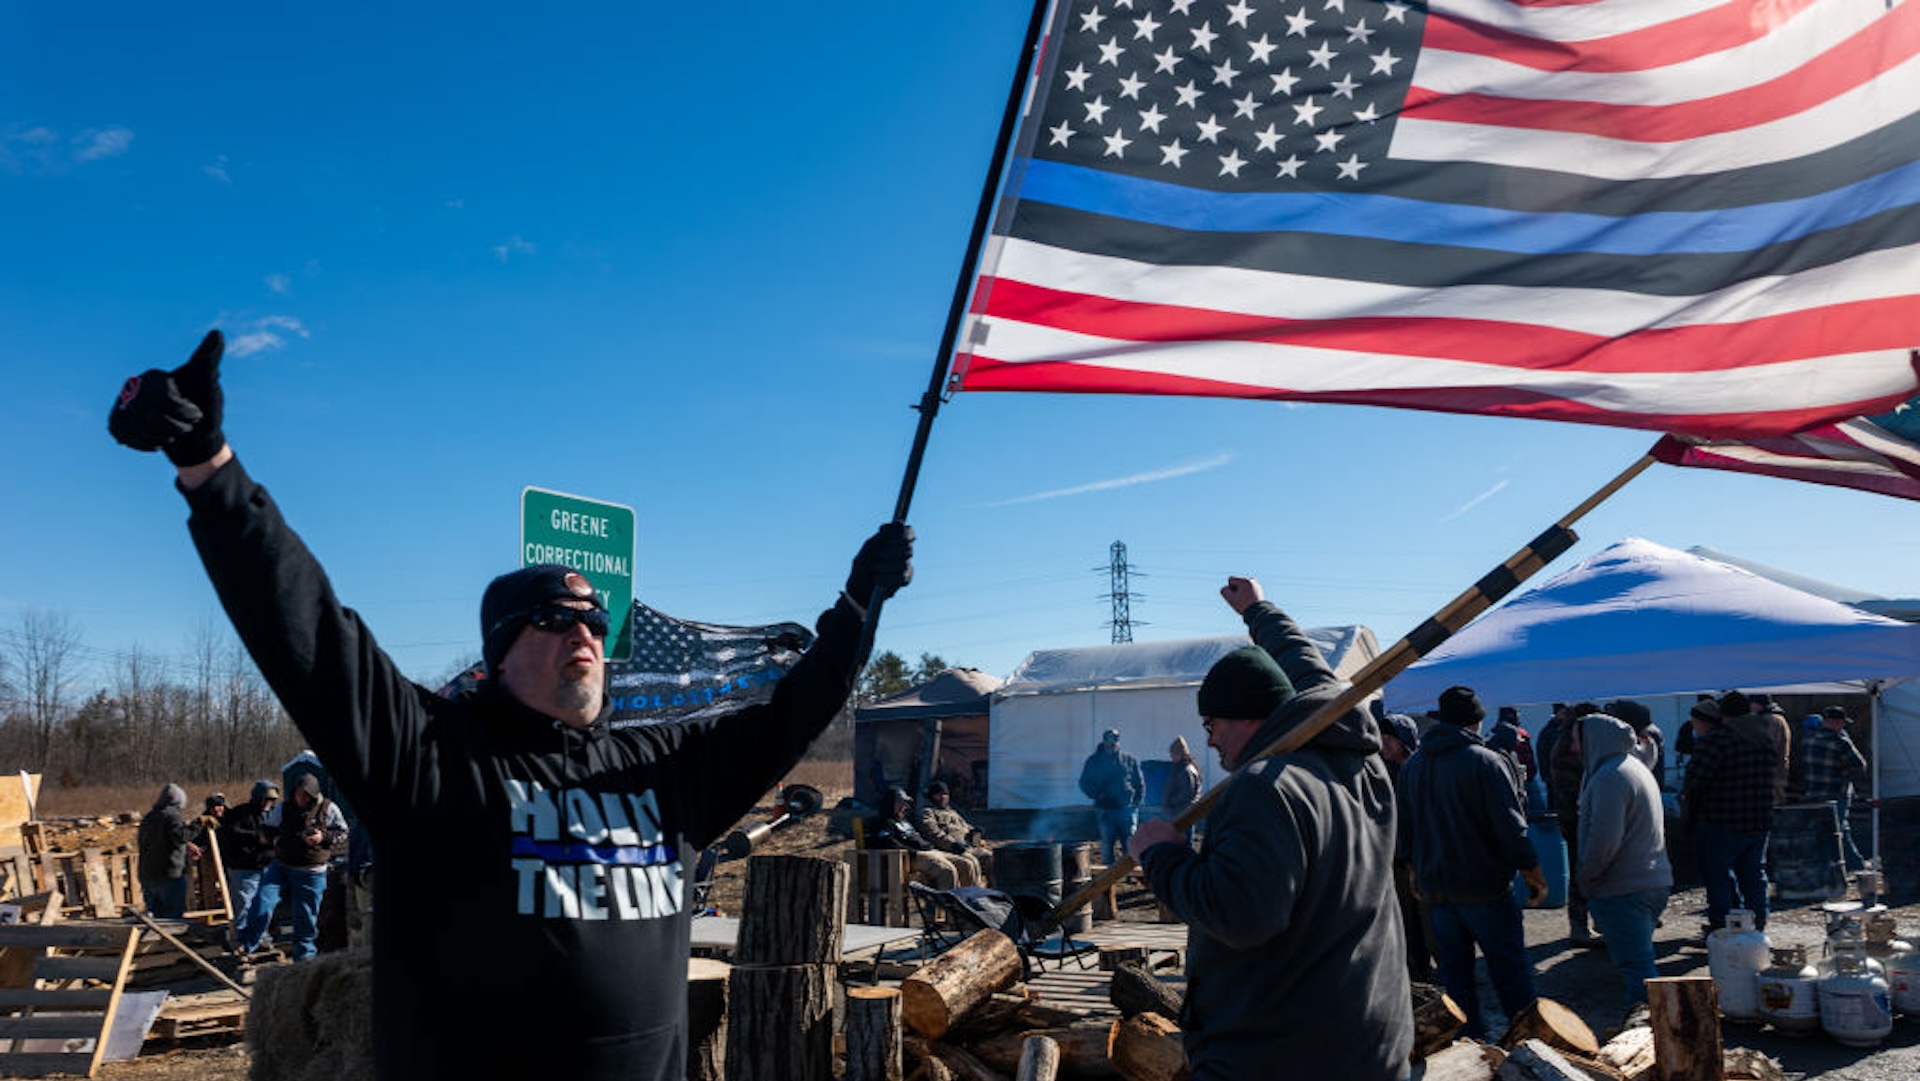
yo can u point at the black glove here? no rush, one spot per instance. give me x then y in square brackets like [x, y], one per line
[883, 565]
[177, 411]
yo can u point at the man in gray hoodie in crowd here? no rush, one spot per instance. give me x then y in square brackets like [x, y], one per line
[1295, 960]
[1623, 849]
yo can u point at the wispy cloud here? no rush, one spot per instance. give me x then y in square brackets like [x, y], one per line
[1475, 501]
[265, 334]
[279, 283]
[455, 204]
[1169, 473]
[218, 170]
[98, 143]
[41, 149]
[514, 246]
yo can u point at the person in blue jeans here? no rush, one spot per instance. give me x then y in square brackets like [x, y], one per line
[166, 841]
[245, 848]
[1728, 800]
[1623, 865]
[305, 833]
[1111, 778]
[1463, 827]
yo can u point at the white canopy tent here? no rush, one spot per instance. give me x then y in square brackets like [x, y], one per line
[1639, 619]
[1048, 716]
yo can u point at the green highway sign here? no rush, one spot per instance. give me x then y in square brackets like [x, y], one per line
[593, 538]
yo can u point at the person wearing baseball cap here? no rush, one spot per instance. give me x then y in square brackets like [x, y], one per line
[1111, 778]
[523, 821]
[1833, 767]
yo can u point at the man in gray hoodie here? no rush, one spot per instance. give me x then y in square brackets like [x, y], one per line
[1295, 959]
[1623, 849]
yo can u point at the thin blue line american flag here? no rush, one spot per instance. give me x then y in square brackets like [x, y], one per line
[1873, 454]
[1692, 216]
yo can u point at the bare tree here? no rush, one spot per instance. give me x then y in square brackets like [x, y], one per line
[42, 651]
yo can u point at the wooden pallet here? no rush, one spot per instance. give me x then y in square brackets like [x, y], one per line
[99, 884]
[199, 1015]
[71, 993]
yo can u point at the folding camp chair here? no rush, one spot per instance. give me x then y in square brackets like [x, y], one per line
[949, 917]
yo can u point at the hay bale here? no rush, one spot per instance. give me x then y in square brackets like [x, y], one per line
[313, 1021]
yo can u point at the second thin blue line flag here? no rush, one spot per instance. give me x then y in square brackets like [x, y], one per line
[1694, 216]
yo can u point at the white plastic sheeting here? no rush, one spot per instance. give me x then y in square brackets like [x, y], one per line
[1050, 713]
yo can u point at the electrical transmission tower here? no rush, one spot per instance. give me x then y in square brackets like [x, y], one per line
[1121, 597]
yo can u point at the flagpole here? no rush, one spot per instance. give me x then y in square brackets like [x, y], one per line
[1496, 584]
[929, 403]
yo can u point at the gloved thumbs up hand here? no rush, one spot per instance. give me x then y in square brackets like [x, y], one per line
[178, 412]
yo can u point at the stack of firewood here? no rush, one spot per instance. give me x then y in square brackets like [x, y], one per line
[966, 1015]
[1676, 1039]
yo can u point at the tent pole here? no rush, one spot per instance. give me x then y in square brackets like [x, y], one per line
[1873, 717]
[1483, 594]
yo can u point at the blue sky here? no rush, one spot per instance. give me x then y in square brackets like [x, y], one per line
[696, 261]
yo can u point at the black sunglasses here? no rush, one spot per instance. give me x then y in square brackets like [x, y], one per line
[559, 619]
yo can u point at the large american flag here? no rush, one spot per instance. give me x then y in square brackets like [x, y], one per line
[1691, 216]
[1874, 454]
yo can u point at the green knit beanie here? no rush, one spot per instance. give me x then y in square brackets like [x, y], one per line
[1245, 685]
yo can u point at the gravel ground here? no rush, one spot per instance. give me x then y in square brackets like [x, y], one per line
[1584, 980]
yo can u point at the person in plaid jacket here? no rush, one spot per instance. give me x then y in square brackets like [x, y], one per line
[1834, 765]
[1728, 802]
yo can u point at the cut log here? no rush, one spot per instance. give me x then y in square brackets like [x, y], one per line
[1685, 1014]
[1039, 1059]
[1466, 1060]
[1537, 1060]
[1112, 957]
[963, 1066]
[932, 1069]
[1749, 1065]
[1040, 1015]
[1552, 1024]
[706, 1019]
[873, 1034]
[1134, 990]
[1000, 1012]
[790, 911]
[1147, 1048]
[941, 991]
[1630, 1052]
[780, 1023]
[1083, 1048]
[1436, 1020]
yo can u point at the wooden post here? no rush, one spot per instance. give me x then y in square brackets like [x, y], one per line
[873, 1034]
[1685, 1016]
[941, 991]
[1147, 1048]
[786, 964]
[707, 1019]
[790, 911]
[780, 1022]
[1039, 1059]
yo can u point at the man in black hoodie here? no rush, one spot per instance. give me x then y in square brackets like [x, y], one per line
[1295, 959]
[559, 948]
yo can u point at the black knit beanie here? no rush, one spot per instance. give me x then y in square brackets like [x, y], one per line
[1460, 706]
[1245, 685]
[511, 598]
